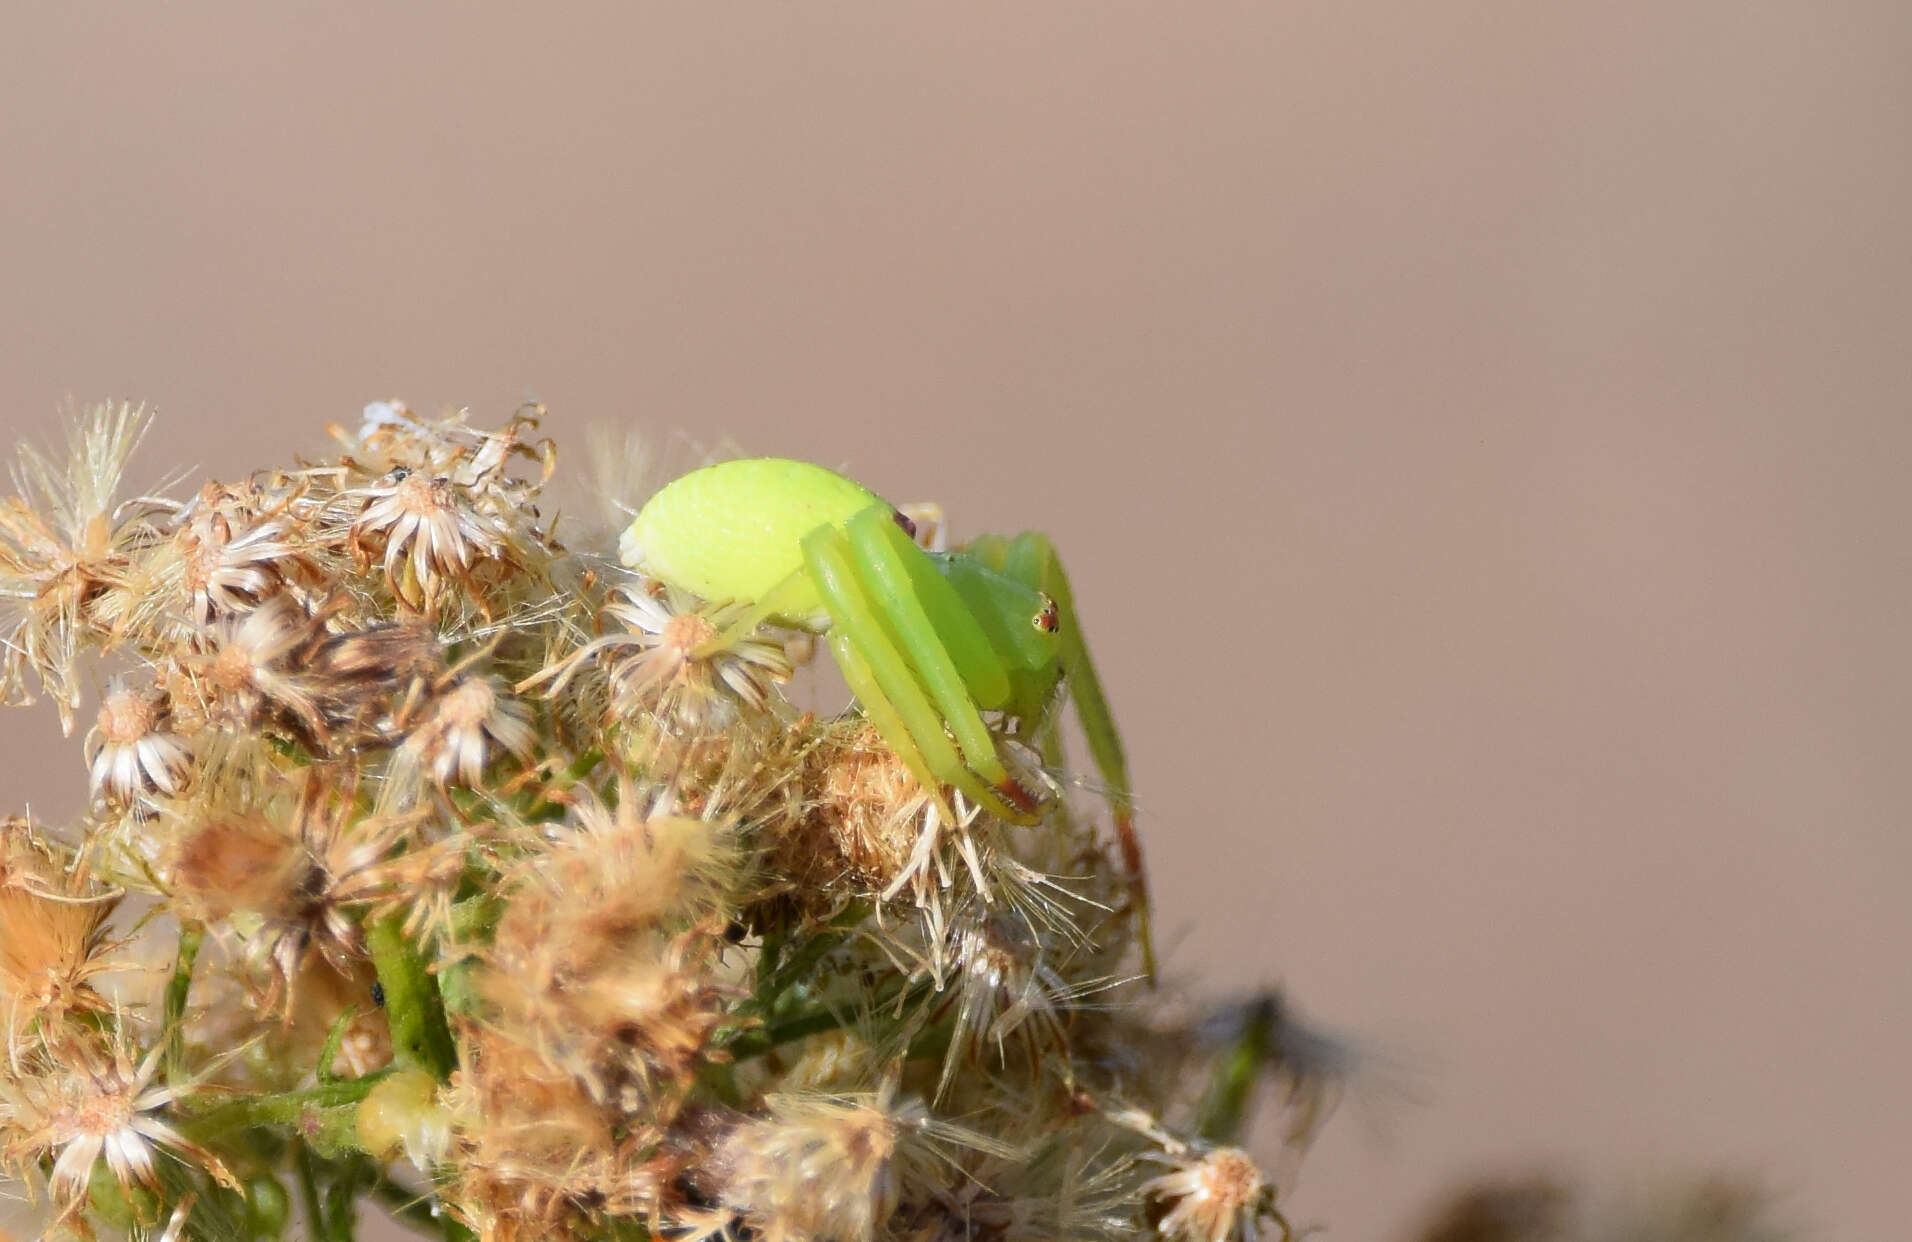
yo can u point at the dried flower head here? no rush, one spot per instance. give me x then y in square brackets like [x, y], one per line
[601, 961]
[131, 751]
[1219, 1195]
[254, 673]
[64, 542]
[232, 557]
[98, 1103]
[673, 657]
[53, 941]
[834, 1167]
[466, 721]
[532, 1155]
[302, 865]
[1011, 993]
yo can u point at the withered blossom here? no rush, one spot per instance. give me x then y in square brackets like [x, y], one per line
[131, 750]
[428, 535]
[64, 541]
[672, 656]
[98, 1104]
[302, 864]
[253, 671]
[655, 954]
[54, 941]
[1219, 1195]
[228, 571]
[1010, 991]
[466, 721]
[834, 1167]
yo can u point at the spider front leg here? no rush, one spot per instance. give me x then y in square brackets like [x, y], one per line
[1031, 558]
[899, 666]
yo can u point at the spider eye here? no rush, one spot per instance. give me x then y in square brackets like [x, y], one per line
[902, 519]
[1049, 620]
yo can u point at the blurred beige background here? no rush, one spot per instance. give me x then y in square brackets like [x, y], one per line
[1479, 432]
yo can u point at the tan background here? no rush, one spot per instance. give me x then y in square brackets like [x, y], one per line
[1479, 432]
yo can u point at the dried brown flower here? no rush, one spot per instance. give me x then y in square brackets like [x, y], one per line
[131, 751]
[672, 657]
[63, 542]
[53, 941]
[94, 1104]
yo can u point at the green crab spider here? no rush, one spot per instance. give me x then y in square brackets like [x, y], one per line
[926, 641]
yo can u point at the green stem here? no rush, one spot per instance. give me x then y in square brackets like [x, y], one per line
[816, 1021]
[413, 1007]
[334, 1040]
[309, 1205]
[279, 1109]
[1231, 1088]
[782, 973]
[178, 988]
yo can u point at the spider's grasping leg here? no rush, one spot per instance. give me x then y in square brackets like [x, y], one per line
[891, 690]
[1031, 558]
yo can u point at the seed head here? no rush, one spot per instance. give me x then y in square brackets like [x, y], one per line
[428, 532]
[131, 752]
[1217, 1196]
[64, 544]
[96, 1103]
[469, 719]
[304, 868]
[663, 658]
[53, 941]
[832, 1167]
[254, 672]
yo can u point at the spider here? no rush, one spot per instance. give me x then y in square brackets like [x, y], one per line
[927, 641]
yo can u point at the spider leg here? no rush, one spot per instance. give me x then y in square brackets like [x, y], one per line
[948, 650]
[911, 716]
[1031, 558]
[750, 619]
[862, 682]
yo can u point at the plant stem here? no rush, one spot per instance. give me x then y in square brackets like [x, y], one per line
[280, 1108]
[1231, 1087]
[309, 1205]
[420, 1035]
[177, 989]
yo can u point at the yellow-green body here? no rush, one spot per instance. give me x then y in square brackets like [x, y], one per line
[732, 531]
[927, 642]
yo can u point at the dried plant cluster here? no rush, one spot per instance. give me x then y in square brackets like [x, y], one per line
[435, 863]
